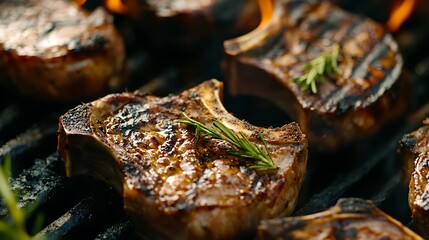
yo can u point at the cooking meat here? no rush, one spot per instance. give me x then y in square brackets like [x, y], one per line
[350, 218]
[414, 151]
[54, 50]
[191, 23]
[367, 93]
[168, 8]
[176, 185]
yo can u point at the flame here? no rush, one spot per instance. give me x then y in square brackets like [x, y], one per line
[115, 6]
[267, 10]
[80, 2]
[400, 13]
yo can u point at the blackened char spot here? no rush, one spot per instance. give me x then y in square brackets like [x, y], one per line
[204, 158]
[408, 142]
[96, 41]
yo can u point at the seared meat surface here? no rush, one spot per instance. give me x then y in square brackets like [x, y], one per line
[191, 23]
[414, 151]
[54, 50]
[176, 185]
[350, 218]
[367, 93]
[165, 8]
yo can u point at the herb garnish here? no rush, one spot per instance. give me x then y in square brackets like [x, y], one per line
[244, 147]
[15, 227]
[326, 63]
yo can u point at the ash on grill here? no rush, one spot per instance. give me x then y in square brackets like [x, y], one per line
[82, 208]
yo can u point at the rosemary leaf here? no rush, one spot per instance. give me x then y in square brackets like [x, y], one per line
[326, 63]
[244, 148]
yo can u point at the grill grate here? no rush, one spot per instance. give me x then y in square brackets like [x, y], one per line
[82, 208]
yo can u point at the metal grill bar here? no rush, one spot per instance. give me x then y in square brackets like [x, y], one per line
[85, 220]
[30, 142]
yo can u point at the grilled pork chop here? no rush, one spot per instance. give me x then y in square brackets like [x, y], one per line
[414, 151]
[53, 50]
[350, 218]
[176, 185]
[367, 92]
[189, 23]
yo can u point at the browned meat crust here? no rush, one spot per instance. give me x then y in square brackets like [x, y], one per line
[414, 151]
[350, 218]
[191, 24]
[367, 94]
[169, 8]
[174, 185]
[53, 50]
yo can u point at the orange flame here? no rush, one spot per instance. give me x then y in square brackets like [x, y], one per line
[80, 2]
[115, 6]
[400, 13]
[266, 7]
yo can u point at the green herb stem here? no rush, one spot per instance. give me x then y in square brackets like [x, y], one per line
[245, 148]
[326, 63]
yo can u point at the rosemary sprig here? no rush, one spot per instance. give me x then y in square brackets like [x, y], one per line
[244, 147]
[15, 228]
[326, 63]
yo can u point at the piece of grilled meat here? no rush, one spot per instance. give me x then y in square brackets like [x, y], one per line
[350, 218]
[176, 185]
[414, 151]
[54, 50]
[189, 24]
[368, 92]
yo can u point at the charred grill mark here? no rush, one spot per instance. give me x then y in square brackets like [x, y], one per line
[320, 24]
[360, 69]
[346, 97]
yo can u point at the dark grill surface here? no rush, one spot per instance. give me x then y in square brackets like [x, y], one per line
[83, 208]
